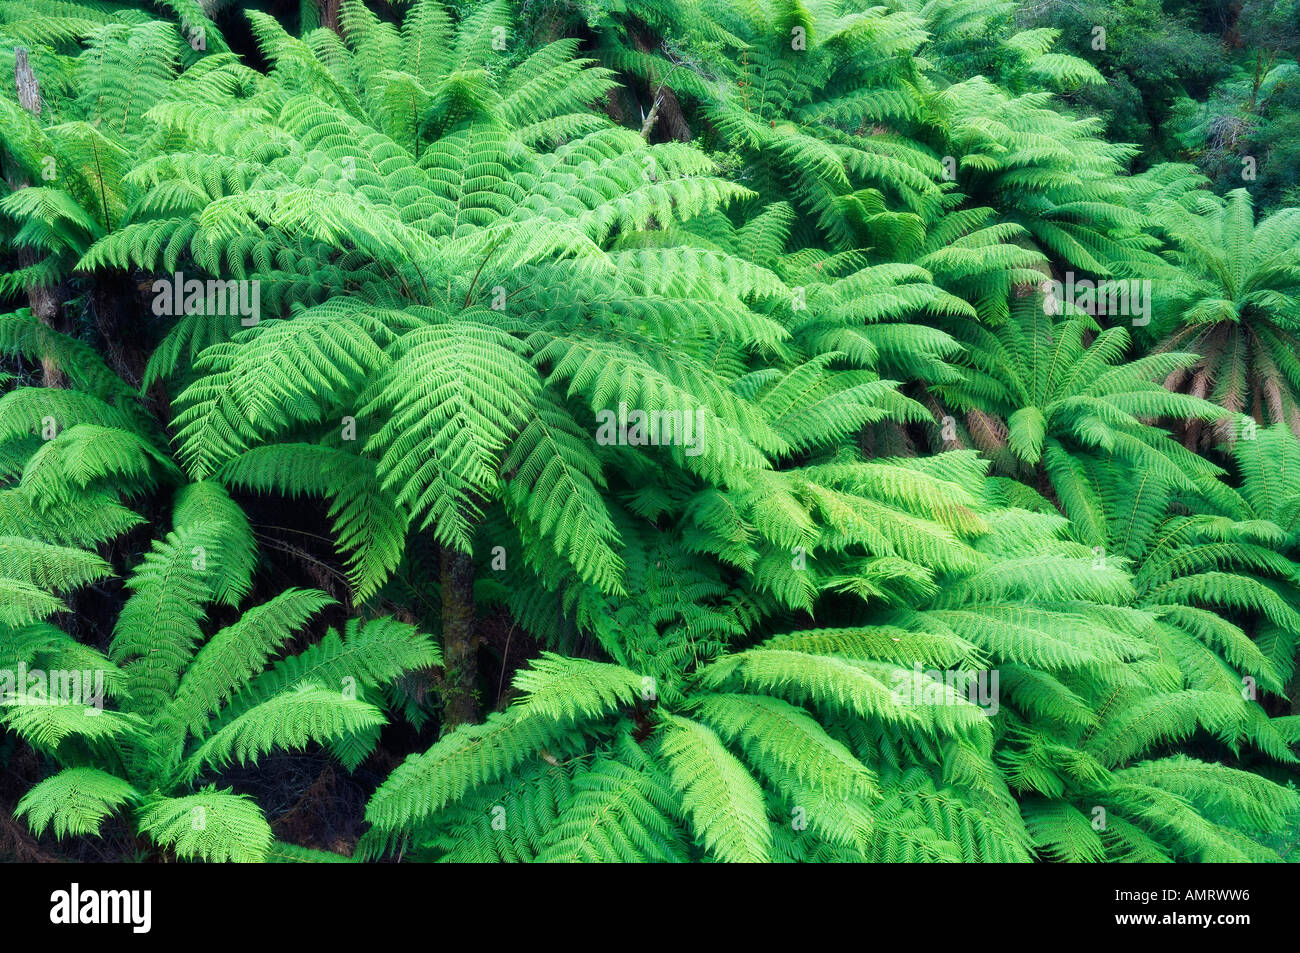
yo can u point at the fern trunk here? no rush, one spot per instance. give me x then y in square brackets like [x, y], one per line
[329, 14]
[665, 108]
[46, 302]
[47, 307]
[113, 298]
[459, 638]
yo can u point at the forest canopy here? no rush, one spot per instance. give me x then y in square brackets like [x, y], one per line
[635, 430]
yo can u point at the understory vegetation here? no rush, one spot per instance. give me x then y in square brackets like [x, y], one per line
[632, 430]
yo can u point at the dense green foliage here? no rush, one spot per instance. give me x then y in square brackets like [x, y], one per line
[635, 431]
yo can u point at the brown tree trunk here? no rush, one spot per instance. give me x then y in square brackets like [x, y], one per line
[47, 307]
[115, 303]
[665, 109]
[459, 638]
[329, 13]
[1200, 387]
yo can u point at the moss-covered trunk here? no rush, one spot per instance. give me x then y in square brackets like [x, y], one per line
[459, 638]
